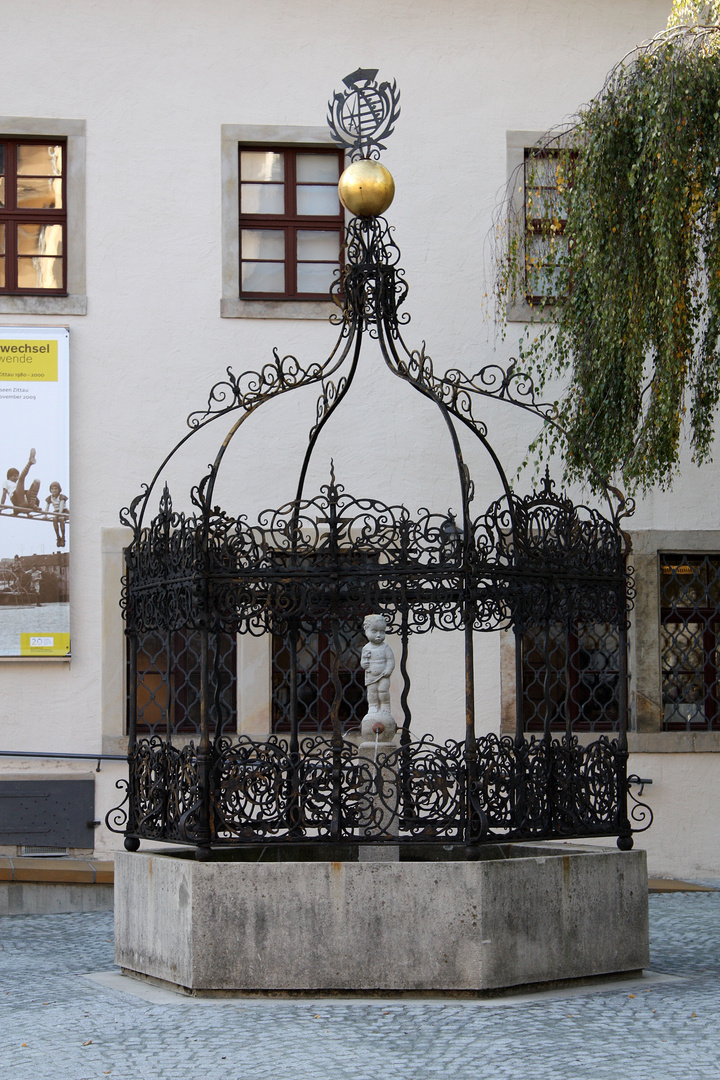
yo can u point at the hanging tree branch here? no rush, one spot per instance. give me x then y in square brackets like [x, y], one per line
[637, 333]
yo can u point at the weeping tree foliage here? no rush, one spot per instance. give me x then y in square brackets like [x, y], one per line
[632, 246]
[694, 13]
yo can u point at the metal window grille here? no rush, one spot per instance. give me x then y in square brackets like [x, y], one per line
[548, 176]
[315, 690]
[572, 674]
[45, 851]
[168, 682]
[690, 641]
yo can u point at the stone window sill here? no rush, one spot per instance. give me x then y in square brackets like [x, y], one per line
[43, 305]
[277, 309]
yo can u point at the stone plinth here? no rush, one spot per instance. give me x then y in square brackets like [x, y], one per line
[522, 914]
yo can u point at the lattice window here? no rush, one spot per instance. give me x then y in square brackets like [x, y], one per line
[170, 685]
[690, 641]
[315, 691]
[582, 668]
[548, 177]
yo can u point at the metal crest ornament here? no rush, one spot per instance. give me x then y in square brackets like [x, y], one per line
[304, 573]
[364, 114]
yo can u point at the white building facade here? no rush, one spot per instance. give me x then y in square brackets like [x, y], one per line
[163, 287]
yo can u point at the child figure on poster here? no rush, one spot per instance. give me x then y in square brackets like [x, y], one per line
[57, 504]
[14, 486]
[31, 496]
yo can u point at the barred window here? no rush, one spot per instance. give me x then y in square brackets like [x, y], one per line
[548, 175]
[578, 670]
[315, 690]
[168, 682]
[690, 641]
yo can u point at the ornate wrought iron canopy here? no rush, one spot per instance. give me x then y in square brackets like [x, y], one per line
[323, 561]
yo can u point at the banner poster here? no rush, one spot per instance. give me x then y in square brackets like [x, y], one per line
[35, 506]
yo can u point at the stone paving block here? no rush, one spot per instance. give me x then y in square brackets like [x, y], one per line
[664, 1029]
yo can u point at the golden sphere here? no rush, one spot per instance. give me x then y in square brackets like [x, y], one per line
[366, 188]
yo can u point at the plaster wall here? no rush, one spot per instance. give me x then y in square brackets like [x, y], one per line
[158, 84]
[685, 799]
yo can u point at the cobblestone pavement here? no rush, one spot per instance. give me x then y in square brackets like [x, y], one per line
[58, 1024]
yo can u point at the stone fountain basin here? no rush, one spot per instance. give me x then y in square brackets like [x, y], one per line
[363, 920]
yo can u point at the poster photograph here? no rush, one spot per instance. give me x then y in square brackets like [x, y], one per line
[35, 505]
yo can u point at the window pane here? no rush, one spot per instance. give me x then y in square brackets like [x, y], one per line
[315, 199]
[318, 245]
[2, 239]
[544, 257]
[39, 194]
[547, 180]
[261, 165]
[263, 277]
[2, 273]
[315, 277]
[318, 168]
[40, 273]
[543, 171]
[40, 239]
[263, 244]
[2, 157]
[2, 190]
[37, 159]
[262, 198]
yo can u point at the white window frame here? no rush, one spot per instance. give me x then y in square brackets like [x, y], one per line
[74, 134]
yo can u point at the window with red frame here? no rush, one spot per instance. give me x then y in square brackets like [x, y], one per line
[33, 216]
[291, 222]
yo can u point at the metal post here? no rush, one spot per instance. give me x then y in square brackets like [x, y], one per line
[547, 700]
[168, 677]
[519, 712]
[625, 840]
[475, 824]
[294, 817]
[337, 740]
[131, 842]
[203, 851]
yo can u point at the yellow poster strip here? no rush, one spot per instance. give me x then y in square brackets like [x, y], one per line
[28, 361]
[44, 644]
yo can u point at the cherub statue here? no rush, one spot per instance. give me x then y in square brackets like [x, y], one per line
[378, 663]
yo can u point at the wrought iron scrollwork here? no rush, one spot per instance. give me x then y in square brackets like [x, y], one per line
[537, 564]
[418, 793]
[363, 114]
[641, 815]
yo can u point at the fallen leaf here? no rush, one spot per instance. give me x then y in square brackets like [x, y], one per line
[87, 1042]
[24, 1044]
[631, 995]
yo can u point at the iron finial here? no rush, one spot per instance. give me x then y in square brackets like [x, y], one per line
[363, 115]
